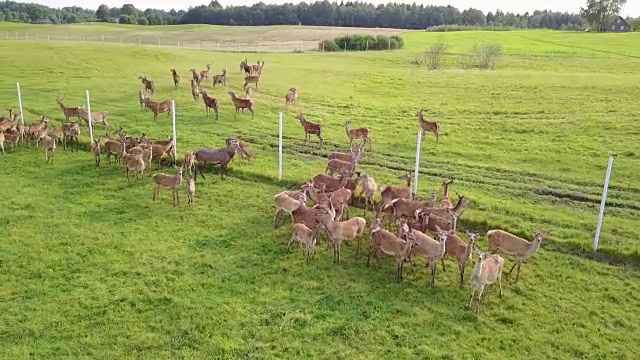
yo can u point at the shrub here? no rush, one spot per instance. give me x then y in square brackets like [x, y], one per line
[486, 55]
[445, 28]
[435, 54]
[360, 42]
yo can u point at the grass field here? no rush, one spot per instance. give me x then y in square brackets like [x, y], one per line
[92, 267]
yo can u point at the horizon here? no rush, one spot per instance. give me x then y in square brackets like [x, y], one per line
[571, 6]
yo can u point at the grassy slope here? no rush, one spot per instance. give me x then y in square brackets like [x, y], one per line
[108, 260]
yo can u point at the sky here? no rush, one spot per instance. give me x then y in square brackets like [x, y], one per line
[516, 6]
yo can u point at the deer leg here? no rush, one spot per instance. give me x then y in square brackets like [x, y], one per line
[518, 273]
[127, 175]
[250, 109]
[480, 297]
[442, 260]
[433, 265]
[514, 265]
[461, 266]
[473, 292]
[437, 137]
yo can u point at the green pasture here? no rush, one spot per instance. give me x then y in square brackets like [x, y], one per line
[92, 267]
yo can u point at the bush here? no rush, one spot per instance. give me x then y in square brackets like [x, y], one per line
[127, 19]
[435, 54]
[483, 56]
[328, 45]
[445, 28]
[143, 21]
[360, 42]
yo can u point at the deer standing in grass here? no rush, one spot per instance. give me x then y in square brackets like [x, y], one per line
[384, 241]
[428, 126]
[195, 90]
[390, 193]
[291, 97]
[311, 128]
[359, 133]
[488, 270]
[170, 182]
[369, 188]
[195, 76]
[176, 78]
[210, 103]
[95, 150]
[142, 97]
[458, 250]
[68, 111]
[49, 145]
[519, 248]
[148, 84]
[191, 189]
[446, 203]
[241, 103]
[306, 237]
[339, 231]
[252, 79]
[158, 107]
[220, 78]
[204, 74]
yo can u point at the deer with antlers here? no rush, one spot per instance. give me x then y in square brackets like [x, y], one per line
[148, 84]
[428, 126]
[176, 78]
[359, 133]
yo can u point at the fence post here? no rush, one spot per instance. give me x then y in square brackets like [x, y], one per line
[20, 104]
[345, 46]
[367, 48]
[323, 46]
[280, 150]
[175, 142]
[389, 43]
[140, 39]
[47, 37]
[120, 40]
[602, 203]
[178, 44]
[218, 46]
[84, 38]
[258, 46]
[90, 120]
[66, 38]
[415, 178]
[158, 41]
[238, 47]
[16, 36]
[37, 38]
[199, 44]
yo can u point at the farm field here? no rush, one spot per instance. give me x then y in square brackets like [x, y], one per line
[92, 267]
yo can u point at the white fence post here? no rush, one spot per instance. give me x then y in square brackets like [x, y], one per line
[175, 142]
[280, 150]
[141, 40]
[47, 37]
[158, 40]
[604, 200]
[20, 104]
[90, 120]
[415, 176]
[120, 40]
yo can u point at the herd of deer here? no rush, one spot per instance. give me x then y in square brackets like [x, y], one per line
[424, 229]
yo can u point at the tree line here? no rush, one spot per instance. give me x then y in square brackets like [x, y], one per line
[319, 13]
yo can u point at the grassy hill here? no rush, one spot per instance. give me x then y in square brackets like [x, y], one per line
[93, 267]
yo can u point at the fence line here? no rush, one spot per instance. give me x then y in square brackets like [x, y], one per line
[172, 42]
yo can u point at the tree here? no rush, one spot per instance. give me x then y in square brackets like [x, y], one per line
[598, 12]
[129, 9]
[102, 14]
[635, 24]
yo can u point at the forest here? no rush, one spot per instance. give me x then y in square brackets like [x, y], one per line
[319, 13]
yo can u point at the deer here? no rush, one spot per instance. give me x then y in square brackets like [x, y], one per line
[176, 78]
[434, 221]
[339, 231]
[220, 156]
[488, 270]
[241, 103]
[384, 241]
[169, 182]
[291, 97]
[11, 138]
[135, 164]
[288, 204]
[195, 90]
[210, 103]
[2, 139]
[191, 189]
[331, 184]
[49, 145]
[519, 248]
[158, 107]
[390, 193]
[425, 247]
[348, 156]
[113, 147]
[244, 66]
[68, 111]
[369, 188]
[432, 199]
[204, 74]
[142, 97]
[195, 76]
[359, 133]
[158, 151]
[427, 126]
[189, 161]
[148, 84]
[99, 117]
[95, 150]
[339, 198]
[444, 213]
[458, 250]
[71, 134]
[446, 203]
[252, 79]
[306, 237]
[220, 78]
[243, 149]
[310, 128]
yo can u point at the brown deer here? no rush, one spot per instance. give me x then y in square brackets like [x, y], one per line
[148, 84]
[310, 128]
[142, 96]
[195, 90]
[170, 182]
[68, 111]
[431, 126]
[195, 76]
[210, 103]
[176, 78]
[291, 97]
[488, 269]
[158, 107]
[446, 203]
[98, 117]
[95, 150]
[359, 133]
[244, 66]
[204, 74]
[191, 189]
[220, 78]
[252, 79]
[390, 193]
[241, 103]
[220, 156]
